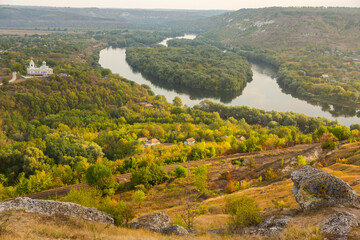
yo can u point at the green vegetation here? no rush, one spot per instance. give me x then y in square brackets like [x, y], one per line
[301, 160]
[99, 175]
[120, 210]
[64, 129]
[243, 210]
[180, 172]
[202, 67]
[139, 197]
[316, 50]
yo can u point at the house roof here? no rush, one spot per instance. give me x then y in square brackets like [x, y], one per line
[143, 139]
[154, 140]
[242, 138]
[190, 140]
[148, 105]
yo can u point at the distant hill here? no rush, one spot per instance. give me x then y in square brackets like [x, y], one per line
[282, 27]
[316, 50]
[15, 16]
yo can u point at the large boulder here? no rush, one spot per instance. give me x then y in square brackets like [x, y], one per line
[339, 225]
[314, 188]
[55, 208]
[174, 230]
[153, 221]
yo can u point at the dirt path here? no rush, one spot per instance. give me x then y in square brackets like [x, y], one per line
[265, 157]
[12, 79]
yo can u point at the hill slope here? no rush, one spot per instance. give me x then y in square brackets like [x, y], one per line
[14, 16]
[315, 49]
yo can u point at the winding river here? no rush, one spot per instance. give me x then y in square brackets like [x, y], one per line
[262, 93]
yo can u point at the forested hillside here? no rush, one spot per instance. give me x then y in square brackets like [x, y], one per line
[54, 129]
[316, 50]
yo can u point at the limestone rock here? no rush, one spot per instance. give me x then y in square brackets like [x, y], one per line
[55, 208]
[339, 225]
[314, 188]
[272, 225]
[174, 230]
[154, 222]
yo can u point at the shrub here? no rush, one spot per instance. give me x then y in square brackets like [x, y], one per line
[138, 197]
[140, 187]
[180, 172]
[100, 176]
[86, 197]
[280, 204]
[301, 160]
[270, 174]
[149, 176]
[231, 187]
[243, 210]
[121, 211]
[252, 163]
[200, 175]
[343, 161]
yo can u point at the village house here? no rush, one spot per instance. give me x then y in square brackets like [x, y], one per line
[143, 139]
[41, 71]
[152, 142]
[241, 138]
[189, 141]
[325, 76]
[148, 105]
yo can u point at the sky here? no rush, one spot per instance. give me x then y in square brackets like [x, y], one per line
[183, 4]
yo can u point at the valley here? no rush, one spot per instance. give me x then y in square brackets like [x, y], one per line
[179, 124]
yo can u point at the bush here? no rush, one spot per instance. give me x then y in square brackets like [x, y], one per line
[121, 211]
[280, 204]
[86, 197]
[231, 186]
[200, 175]
[243, 210]
[138, 197]
[180, 172]
[149, 176]
[301, 160]
[270, 175]
[99, 175]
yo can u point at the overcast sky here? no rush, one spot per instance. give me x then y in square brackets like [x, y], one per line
[183, 4]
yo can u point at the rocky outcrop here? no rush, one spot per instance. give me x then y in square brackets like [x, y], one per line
[314, 188]
[158, 222]
[339, 225]
[272, 225]
[174, 230]
[154, 222]
[55, 208]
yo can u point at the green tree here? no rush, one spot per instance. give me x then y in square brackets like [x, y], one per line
[180, 172]
[99, 175]
[200, 175]
[177, 101]
[138, 197]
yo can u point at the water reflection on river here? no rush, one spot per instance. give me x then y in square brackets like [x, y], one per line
[262, 93]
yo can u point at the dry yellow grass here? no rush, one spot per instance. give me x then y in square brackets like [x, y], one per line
[34, 226]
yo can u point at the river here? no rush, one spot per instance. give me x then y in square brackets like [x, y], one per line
[262, 93]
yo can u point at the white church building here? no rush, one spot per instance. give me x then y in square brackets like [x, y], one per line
[41, 71]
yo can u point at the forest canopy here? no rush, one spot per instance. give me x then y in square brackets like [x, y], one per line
[201, 67]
